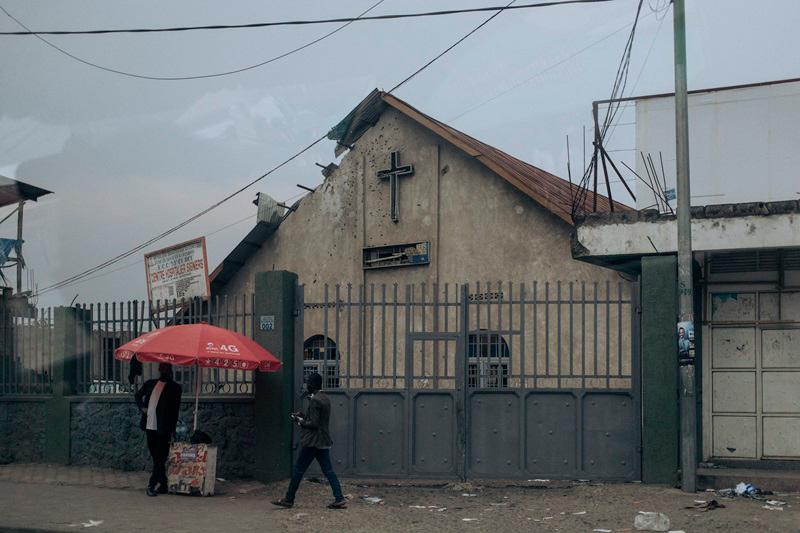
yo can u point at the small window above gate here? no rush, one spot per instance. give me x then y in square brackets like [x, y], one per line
[320, 355]
[489, 360]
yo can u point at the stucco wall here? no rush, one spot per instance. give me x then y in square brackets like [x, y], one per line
[480, 227]
[22, 431]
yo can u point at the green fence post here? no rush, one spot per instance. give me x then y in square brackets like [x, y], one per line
[660, 413]
[275, 307]
[65, 359]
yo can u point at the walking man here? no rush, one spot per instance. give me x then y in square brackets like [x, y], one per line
[316, 444]
[159, 400]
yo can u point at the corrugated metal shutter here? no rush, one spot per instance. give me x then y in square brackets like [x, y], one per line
[755, 261]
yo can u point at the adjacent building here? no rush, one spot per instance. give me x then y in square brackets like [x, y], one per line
[746, 243]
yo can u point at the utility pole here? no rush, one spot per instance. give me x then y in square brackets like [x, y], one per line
[19, 246]
[685, 281]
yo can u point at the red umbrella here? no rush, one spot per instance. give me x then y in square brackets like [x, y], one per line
[202, 345]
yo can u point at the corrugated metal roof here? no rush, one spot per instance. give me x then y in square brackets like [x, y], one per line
[551, 192]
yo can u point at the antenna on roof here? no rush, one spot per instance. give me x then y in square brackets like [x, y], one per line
[569, 174]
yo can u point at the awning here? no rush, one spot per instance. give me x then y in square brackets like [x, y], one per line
[13, 191]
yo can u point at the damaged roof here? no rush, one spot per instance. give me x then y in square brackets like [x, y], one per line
[551, 192]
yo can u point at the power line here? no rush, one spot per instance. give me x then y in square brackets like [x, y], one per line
[641, 71]
[539, 73]
[173, 229]
[429, 63]
[140, 261]
[618, 89]
[185, 78]
[90, 271]
[295, 22]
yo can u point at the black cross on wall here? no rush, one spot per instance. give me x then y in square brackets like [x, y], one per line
[392, 174]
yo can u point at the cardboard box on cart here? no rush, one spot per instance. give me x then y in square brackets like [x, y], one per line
[192, 469]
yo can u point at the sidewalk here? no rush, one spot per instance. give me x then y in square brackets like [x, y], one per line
[65, 498]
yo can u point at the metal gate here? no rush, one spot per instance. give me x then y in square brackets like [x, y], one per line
[478, 380]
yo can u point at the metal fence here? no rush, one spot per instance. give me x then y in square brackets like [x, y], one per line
[514, 335]
[104, 327]
[26, 352]
[513, 380]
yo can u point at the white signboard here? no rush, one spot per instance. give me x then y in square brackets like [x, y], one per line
[180, 271]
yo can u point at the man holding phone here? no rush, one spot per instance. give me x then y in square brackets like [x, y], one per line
[316, 444]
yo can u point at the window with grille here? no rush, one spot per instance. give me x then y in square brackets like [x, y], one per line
[320, 355]
[489, 360]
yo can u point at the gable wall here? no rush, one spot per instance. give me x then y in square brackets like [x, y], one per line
[480, 227]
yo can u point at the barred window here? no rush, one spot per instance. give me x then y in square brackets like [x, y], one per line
[320, 355]
[489, 361]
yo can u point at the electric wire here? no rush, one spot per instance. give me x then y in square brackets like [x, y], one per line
[639, 76]
[539, 73]
[462, 39]
[618, 89]
[141, 261]
[297, 22]
[90, 271]
[191, 77]
[173, 229]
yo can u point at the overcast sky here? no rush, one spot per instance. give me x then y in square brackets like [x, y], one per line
[128, 158]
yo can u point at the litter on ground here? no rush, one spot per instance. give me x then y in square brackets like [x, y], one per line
[651, 521]
[90, 523]
[702, 505]
[373, 500]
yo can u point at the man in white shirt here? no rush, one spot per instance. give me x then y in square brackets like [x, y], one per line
[159, 400]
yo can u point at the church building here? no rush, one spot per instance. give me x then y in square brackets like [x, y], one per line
[440, 301]
[417, 201]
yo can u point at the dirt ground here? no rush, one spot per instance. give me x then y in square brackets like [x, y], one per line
[541, 506]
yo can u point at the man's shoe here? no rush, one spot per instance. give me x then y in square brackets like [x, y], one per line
[338, 504]
[151, 491]
[283, 503]
[162, 489]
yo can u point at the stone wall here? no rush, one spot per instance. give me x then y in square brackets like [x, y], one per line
[22, 428]
[105, 433]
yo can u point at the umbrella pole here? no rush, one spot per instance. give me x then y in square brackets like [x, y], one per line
[196, 396]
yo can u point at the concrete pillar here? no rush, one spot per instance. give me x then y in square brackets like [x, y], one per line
[275, 307]
[66, 321]
[5, 329]
[660, 413]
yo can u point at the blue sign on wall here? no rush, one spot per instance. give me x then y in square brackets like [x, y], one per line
[267, 323]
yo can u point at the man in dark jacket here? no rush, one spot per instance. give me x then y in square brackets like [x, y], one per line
[316, 444]
[159, 400]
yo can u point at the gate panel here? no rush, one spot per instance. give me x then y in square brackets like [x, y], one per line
[430, 360]
[609, 431]
[340, 430]
[494, 434]
[551, 433]
[379, 433]
[433, 432]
